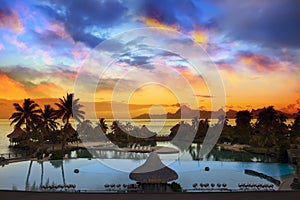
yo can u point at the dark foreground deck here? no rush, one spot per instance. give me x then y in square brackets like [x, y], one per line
[174, 196]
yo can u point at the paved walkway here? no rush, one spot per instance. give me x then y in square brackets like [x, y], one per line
[286, 184]
[173, 196]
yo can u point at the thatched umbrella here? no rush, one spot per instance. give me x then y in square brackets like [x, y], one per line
[153, 171]
[146, 133]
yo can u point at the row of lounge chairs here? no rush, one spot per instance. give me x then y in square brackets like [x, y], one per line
[209, 186]
[53, 187]
[135, 147]
[121, 187]
[255, 186]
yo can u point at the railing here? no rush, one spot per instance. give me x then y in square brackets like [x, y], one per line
[13, 156]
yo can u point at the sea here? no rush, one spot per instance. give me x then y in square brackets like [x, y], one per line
[160, 126]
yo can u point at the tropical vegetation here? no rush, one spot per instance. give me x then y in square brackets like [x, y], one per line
[270, 134]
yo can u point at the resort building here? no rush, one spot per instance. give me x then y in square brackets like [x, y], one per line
[153, 175]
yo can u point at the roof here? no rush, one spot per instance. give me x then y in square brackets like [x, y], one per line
[294, 153]
[16, 132]
[146, 132]
[153, 171]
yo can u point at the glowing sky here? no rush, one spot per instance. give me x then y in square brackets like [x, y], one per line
[254, 44]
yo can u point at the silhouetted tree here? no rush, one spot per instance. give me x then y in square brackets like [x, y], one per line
[295, 129]
[266, 125]
[48, 122]
[243, 128]
[27, 114]
[68, 107]
[243, 119]
[85, 130]
[203, 126]
[100, 130]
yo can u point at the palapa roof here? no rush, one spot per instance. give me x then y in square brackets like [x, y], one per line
[153, 171]
[146, 132]
[16, 133]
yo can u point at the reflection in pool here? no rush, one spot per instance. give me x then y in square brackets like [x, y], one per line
[95, 173]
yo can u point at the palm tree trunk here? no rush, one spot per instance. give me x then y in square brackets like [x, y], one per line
[63, 173]
[64, 136]
[42, 173]
[28, 175]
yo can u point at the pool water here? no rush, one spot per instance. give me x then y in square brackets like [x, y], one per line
[95, 173]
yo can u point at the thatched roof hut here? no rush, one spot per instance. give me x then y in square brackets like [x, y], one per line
[153, 171]
[17, 132]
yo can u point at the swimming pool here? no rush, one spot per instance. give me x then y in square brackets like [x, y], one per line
[95, 173]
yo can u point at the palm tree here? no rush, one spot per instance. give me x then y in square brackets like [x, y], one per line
[48, 124]
[101, 129]
[267, 123]
[295, 129]
[28, 175]
[68, 107]
[85, 130]
[57, 164]
[42, 172]
[48, 117]
[27, 114]
[243, 118]
[103, 125]
[243, 128]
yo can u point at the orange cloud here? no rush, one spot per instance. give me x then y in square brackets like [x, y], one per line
[154, 23]
[47, 90]
[11, 20]
[11, 89]
[292, 108]
[199, 36]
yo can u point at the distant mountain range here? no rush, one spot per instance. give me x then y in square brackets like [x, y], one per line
[189, 113]
[103, 109]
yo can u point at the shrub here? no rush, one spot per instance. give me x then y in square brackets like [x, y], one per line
[57, 155]
[176, 187]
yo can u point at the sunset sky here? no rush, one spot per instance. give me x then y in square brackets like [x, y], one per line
[254, 46]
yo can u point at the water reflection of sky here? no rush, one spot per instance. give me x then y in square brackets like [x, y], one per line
[93, 174]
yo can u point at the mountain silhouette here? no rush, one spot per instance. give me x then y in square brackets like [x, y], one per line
[188, 113]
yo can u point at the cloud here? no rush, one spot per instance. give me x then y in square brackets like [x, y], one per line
[45, 55]
[199, 36]
[46, 89]
[30, 77]
[155, 23]
[1, 47]
[10, 19]
[292, 108]
[258, 63]
[225, 65]
[19, 82]
[272, 24]
[139, 61]
[204, 96]
[81, 18]
[21, 74]
[11, 89]
[13, 39]
[79, 51]
[168, 12]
